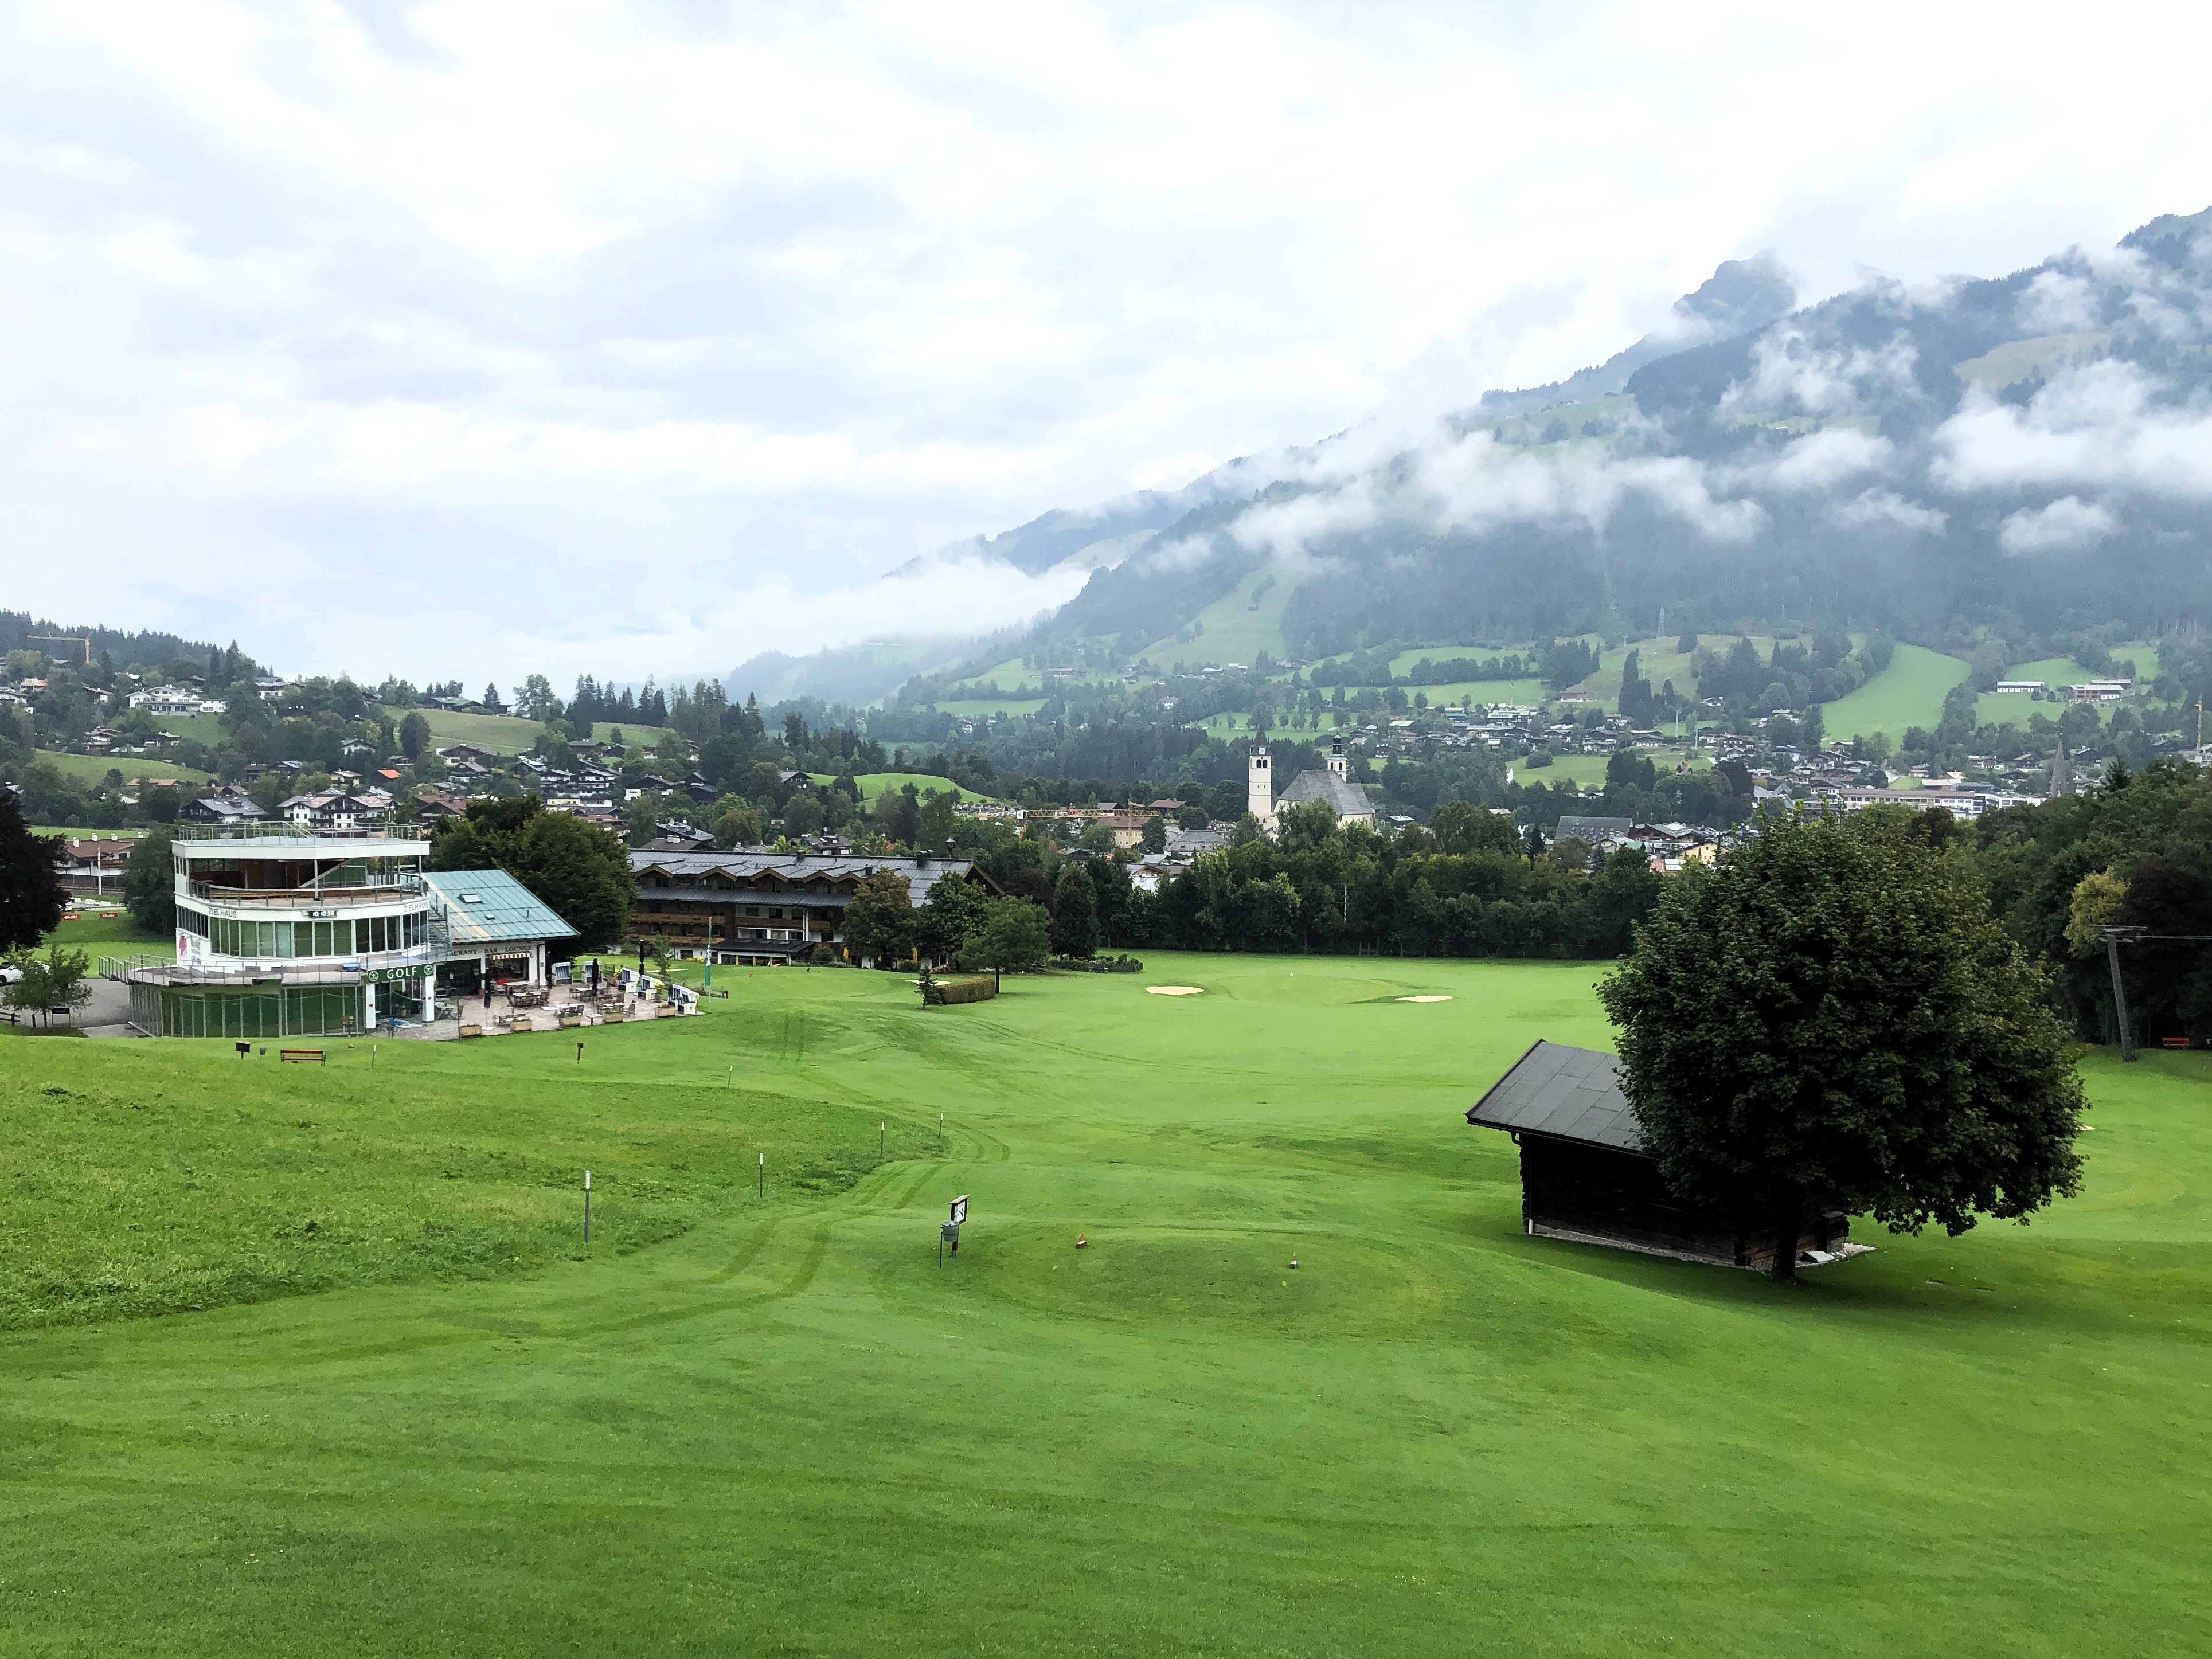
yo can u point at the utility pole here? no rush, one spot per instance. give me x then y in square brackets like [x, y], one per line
[2119, 993]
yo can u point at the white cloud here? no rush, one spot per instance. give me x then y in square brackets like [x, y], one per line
[1820, 460]
[2059, 303]
[1791, 375]
[1475, 483]
[1884, 506]
[540, 299]
[2066, 524]
[2096, 425]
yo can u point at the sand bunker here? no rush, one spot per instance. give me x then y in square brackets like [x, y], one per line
[1424, 999]
[1175, 990]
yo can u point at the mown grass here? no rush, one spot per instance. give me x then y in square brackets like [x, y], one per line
[780, 1426]
[161, 1181]
[91, 768]
[1909, 692]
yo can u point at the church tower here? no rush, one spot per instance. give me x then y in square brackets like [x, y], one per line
[1259, 783]
[2061, 775]
[1336, 764]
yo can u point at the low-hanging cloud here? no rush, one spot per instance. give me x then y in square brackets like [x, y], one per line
[1475, 483]
[1873, 507]
[2064, 526]
[1820, 460]
[1792, 374]
[2097, 425]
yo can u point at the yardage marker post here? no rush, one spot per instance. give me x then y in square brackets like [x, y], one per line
[587, 1209]
[763, 1176]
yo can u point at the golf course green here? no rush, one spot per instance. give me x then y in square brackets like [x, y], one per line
[312, 1360]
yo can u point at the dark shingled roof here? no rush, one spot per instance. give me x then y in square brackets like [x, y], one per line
[1591, 831]
[1568, 1094]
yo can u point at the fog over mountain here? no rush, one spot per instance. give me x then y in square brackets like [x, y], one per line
[2035, 447]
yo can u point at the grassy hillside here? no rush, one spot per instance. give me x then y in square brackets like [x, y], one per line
[507, 734]
[977, 708]
[1909, 692]
[778, 1425]
[93, 768]
[1239, 625]
[874, 783]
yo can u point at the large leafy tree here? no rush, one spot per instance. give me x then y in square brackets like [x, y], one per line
[1075, 914]
[952, 909]
[32, 896]
[1830, 1017]
[1015, 938]
[879, 921]
[581, 872]
[150, 882]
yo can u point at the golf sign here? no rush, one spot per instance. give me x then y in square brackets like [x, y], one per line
[948, 1230]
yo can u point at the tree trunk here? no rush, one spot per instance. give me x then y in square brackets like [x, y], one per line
[1788, 1211]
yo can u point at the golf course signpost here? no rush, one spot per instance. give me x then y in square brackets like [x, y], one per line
[948, 1232]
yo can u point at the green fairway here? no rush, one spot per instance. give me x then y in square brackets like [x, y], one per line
[1908, 693]
[777, 1425]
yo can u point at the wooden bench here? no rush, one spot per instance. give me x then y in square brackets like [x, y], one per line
[2174, 1043]
[301, 1056]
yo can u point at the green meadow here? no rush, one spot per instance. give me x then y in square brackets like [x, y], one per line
[314, 1358]
[92, 768]
[873, 784]
[1909, 692]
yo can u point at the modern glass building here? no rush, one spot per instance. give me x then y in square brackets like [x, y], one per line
[281, 933]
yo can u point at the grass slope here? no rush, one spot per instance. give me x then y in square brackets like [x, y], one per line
[506, 734]
[1909, 692]
[874, 783]
[982, 707]
[1239, 625]
[783, 1427]
[93, 768]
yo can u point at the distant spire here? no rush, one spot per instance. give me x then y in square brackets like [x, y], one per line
[2062, 780]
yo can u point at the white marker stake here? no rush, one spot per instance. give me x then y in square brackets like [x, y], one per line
[587, 1207]
[764, 1176]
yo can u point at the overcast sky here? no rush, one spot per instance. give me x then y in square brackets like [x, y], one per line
[469, 339]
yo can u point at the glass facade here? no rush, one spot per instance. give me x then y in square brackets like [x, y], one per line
[233, 936]
[247, 1010]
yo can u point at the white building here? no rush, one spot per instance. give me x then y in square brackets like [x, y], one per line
[282, 932]
[1334, 785]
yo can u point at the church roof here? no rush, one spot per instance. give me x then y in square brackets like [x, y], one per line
[1347, 799]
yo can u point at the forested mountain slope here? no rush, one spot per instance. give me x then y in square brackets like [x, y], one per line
[2033, 451]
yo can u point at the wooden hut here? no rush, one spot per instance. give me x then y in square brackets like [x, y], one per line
[1585, 1176]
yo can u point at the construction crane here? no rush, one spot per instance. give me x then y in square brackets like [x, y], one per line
[66, 639]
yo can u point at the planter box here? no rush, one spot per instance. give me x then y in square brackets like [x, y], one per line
[472, 1030]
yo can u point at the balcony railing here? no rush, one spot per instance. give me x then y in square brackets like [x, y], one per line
[321, 895]
[281, 830]
[160, 970]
